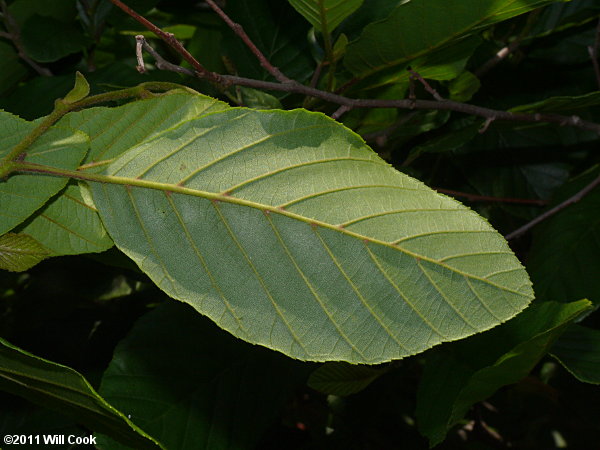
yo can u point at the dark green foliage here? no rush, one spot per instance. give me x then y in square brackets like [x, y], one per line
[90, 344]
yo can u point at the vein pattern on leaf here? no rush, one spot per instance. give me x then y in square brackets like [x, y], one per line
[212, 277]
[114, 130]
[67, 225]
[286, 230]
[59, 147]
[312, 289]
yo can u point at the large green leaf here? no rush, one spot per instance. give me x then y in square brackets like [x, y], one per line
[289, 232]
[325, 15]
[193, 386]
[62, 388]
[21, 196]
[419, 27]
[470, 371]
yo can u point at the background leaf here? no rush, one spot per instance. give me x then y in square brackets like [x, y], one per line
[325, 15]
[561, 104]
[472, 370]
[419, 27]
[578, 350]
[338, 378]
[222, 395]
[281, 40]
[12, 68]
[285, 269]
[443, 64]
[47, 39]
[62, 388]
[566, 268]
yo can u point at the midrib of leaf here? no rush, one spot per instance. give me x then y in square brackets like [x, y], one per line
[226, 198]
[323, 17]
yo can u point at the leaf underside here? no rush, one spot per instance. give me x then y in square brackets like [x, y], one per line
[289, 232]
[19, 252]
[21, 196]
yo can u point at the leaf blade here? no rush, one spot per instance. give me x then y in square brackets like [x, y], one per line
[21, 196]
[19, 252]
[284, 269]
[68, 225]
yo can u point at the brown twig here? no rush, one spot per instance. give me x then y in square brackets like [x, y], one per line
[340, 112]
[497, 58]
[169, 38]
[314, 80]
[573, 199]
[161, 63]
[426, 85]
[239, 30]
[351, 103]
[13, 34]
[593, 51]
[447, 105]
[486, 198]
[486, 125]
[510, 48]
